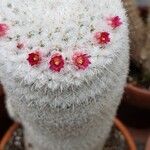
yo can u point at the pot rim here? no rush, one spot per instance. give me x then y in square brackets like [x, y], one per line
[126, 133]
[128, 138]
[138, 89]
[137, 96]
[8, 135]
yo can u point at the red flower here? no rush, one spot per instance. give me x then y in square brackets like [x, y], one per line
[3, 29]
[102, 37]
[81, 60]
[34, 58]
[56, 63]
[20, 45]
[114, 22]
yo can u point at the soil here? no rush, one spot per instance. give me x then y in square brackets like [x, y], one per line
[116, 141]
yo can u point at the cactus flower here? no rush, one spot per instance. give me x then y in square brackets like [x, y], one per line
[81, 60]
[102, 37]
[3, 29]
[56, 63]
[34, 58]
[115, 22]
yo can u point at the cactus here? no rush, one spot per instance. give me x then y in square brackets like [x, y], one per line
[64, 64]
[145, 53]
[136, 29]
[143, 3]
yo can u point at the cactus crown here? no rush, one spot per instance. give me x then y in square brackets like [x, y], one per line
[56, 50]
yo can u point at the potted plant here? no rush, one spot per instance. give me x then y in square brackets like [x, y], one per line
[138, 93]
[136, 30]
[136, 101]
[61, 65]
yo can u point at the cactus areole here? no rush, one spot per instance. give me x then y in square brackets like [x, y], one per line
[63, 65]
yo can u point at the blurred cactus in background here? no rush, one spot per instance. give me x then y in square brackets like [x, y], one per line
[136, 29]
[143, 3]
[145, 54]
[139, 40]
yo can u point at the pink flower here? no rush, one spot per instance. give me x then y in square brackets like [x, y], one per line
[3, 29]
[102, 37]
[114, 22]
[34, 58]
[81, 60]
[56, 63]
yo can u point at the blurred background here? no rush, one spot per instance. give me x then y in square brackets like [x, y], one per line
[134, 110]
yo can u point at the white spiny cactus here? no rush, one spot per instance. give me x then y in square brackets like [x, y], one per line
[64, 65]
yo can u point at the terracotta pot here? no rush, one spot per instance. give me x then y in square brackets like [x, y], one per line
[148, 144]
[125, 132]
[119, 125]
[135, 107]
[137, 96]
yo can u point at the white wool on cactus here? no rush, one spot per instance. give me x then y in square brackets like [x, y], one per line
[64, 65]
